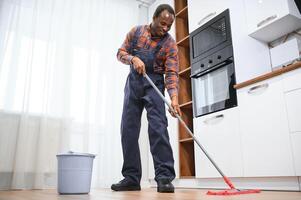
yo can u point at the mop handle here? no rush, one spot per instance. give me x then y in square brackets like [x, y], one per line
[184, 124]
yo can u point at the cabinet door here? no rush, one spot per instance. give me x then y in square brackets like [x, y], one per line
[293, 99]
[270, 19]
[200, 12]
[262, 12]
[219, 134]
[293, 106]
[264, 127]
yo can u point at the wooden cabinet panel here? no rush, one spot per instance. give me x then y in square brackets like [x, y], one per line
[186, 146]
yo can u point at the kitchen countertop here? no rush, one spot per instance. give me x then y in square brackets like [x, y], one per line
[274, 73]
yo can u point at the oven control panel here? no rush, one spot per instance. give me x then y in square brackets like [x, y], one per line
[212, 60]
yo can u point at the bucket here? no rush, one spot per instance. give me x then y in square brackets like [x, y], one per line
[74, 172]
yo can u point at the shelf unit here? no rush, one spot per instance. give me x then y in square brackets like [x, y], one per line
[186, 144]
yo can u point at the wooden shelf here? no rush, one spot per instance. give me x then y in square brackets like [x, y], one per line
[184, 89]
[186, 140]
[179, 5]
[184, 42]
[184, 58]
[187, 118]
[186, 144]
[186, 105]
[187, 177]
[185, 72]
[187, 167]
[183, 13]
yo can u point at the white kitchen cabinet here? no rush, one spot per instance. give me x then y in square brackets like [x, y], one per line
[219, 134]
[201, 12]
[270, 19]
[292, 93]
[264, 129]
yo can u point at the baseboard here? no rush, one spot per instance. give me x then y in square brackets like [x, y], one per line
[263, 183]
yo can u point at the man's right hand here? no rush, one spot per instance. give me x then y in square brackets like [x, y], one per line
[138, 65]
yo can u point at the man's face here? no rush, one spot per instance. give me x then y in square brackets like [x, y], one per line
[161, 24]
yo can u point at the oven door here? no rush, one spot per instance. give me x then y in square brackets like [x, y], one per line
[213, 90]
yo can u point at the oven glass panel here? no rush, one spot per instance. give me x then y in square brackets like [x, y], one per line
[212, 88]
[209, 38]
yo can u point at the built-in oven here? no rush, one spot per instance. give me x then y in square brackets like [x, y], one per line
[213, 89]
[212, 68]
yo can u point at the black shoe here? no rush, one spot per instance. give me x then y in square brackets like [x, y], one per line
[165, 186]
[125, 185]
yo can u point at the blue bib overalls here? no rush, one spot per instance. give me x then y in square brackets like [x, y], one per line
[139, 94]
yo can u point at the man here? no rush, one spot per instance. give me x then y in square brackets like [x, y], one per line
[149, 49]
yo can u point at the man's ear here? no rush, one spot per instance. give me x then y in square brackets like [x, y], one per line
[154, 18]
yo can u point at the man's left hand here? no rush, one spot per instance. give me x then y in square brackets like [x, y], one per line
[175, 106]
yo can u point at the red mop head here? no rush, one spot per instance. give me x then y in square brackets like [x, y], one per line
[232, 190]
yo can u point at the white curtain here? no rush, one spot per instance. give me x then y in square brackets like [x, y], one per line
[61, 87]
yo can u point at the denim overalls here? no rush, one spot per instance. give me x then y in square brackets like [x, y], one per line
[138, 93]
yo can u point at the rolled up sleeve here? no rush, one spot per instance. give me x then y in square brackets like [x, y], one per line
[123, 54]
[172, 70]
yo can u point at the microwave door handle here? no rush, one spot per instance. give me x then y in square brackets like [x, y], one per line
[204, 18]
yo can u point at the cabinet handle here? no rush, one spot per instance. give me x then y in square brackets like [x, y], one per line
[253, 89]
[206, 121]
[266, 20]
[204, 18]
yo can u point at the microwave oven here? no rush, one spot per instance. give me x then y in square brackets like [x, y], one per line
[210, 37]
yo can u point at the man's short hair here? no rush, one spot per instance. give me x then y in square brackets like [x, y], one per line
[163, 7]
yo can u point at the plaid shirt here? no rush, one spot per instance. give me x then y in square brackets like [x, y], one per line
[166, 61]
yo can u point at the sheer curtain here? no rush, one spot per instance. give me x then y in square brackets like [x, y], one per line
[61, 87]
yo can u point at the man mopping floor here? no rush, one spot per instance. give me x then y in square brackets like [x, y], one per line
[149, 49]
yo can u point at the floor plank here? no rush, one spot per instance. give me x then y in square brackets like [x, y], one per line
[145, 194]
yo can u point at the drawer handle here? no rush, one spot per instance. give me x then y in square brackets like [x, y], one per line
[204, 18]
[266, 20]
[207, 121]
[253, 89]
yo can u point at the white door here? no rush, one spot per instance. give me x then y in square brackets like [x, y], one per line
[264, 127]
[219, 134]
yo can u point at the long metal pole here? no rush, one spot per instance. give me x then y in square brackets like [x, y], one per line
[184, 124]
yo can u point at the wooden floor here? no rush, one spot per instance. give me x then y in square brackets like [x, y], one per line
[145, 194]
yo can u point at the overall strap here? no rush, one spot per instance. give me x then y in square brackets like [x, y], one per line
[135, 39]
[160, 43]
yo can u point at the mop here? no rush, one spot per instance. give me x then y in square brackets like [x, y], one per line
[232, 190]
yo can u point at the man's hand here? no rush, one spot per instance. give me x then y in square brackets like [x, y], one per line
[175, 106]
[138, 65]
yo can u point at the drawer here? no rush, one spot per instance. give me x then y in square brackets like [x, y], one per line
[292, 80]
